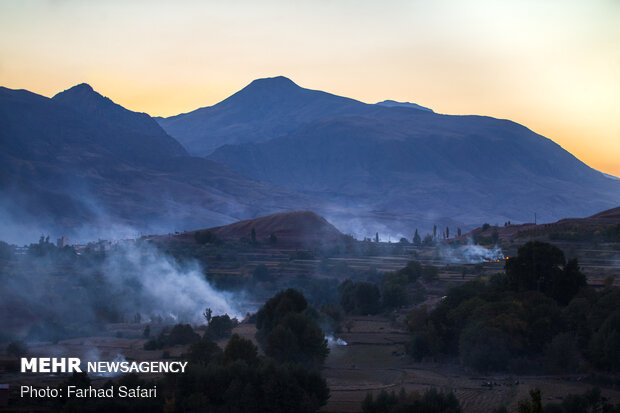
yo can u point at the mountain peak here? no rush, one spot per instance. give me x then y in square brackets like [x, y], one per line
[81, 95]
[82, 87]
[278, 84]
[274, 81]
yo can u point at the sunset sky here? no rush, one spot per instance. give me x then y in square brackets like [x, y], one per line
[553, 66]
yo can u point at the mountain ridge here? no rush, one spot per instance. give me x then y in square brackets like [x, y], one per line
[68, 168]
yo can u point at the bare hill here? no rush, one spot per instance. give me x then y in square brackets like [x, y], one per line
[290, 228]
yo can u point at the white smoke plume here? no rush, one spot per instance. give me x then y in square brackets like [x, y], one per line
[469, 254]
[160, 285]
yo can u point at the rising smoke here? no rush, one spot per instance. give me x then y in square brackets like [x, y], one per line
[469, 253]
[58, 294]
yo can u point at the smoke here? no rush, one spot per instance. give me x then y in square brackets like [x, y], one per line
[335, 341]
[160, 285]
[57, 294]
[469, 254]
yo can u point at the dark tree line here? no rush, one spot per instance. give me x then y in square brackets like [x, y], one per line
[540, 313]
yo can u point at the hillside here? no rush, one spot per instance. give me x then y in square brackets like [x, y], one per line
[603, 226]
[400, 162]
[290, 228]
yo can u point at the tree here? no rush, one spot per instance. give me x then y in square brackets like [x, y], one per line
[239, 348]
[278, 307]
[447, 232]
[434, 231]
[394, 295]
[359, 297]
[297, 339]
[182, 334]
[207, 315]
[287, 333]
[416, 238]
[220, 327]
[542, 267]
[377, 237]
[458, 231]
[253, 235]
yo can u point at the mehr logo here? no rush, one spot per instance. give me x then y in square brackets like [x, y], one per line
[51, 365]
[72, 365]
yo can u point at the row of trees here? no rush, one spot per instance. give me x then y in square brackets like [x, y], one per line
[398, 288]
[431, 401]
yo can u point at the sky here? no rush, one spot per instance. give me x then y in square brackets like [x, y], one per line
[551, 65]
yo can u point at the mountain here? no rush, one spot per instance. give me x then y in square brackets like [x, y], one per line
[134, 136]
[393, 103]
[265, 109]
[81, 164]
[394, 168]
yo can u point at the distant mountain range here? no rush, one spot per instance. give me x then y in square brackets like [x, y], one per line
[393, 164]
[80, 160]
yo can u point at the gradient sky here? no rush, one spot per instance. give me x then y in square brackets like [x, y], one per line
[551, 65]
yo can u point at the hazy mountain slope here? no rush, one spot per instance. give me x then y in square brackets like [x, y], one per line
[79, 160]
[265, 109]
[398, 161]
